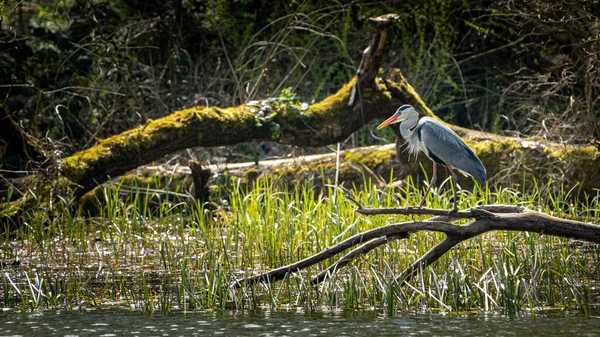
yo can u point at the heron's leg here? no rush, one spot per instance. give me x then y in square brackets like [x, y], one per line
[431, 183]
[455, 188]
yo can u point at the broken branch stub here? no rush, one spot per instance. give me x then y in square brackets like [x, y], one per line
[372, 55]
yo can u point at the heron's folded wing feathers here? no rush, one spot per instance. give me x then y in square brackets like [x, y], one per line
[446, 145]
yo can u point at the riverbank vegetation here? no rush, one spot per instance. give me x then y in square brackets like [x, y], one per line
[172, 254]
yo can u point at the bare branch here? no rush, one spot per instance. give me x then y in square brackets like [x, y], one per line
[280, 273]
[487, 218]
[430, 257]
[362, 250]
[373, 55]
[473, 213]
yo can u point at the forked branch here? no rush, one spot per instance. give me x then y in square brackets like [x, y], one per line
[486, 218]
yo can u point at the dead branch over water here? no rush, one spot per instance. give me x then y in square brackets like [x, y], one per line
[485, 219]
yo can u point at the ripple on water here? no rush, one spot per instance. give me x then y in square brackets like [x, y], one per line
[277, 323]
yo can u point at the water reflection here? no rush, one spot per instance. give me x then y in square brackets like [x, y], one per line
[283, 323]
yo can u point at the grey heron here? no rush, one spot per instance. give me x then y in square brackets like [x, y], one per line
[442, 145]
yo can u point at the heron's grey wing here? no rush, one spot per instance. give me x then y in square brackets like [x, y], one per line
[443, 143]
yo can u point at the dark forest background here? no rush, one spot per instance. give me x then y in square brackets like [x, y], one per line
[73, 72]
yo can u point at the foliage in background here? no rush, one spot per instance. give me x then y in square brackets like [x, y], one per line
[72, 72]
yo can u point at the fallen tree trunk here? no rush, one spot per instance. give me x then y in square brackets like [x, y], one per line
[364, 98]
[508, 161]
[486, 218]
[327, 122]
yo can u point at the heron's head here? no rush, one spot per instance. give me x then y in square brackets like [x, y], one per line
[404, 112]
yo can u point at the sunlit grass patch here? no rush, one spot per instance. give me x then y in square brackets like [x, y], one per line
[176, 255]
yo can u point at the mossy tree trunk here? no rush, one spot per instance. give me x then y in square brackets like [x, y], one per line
[365, 97]
[362, 99]
[507, 159]
[326, 122]
[509, 162]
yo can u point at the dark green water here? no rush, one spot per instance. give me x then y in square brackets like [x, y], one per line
[281, 323]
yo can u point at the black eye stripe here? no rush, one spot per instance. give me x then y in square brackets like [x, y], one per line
[404, 107]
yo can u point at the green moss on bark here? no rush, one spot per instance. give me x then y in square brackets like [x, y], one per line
[320, 124]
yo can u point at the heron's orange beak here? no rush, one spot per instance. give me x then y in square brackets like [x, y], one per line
[394, 119]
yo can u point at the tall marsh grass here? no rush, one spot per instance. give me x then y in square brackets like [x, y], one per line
[176, 255]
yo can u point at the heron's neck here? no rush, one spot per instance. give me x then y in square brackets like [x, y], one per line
[406, 127]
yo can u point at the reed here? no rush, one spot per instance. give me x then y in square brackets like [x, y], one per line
[170, 254]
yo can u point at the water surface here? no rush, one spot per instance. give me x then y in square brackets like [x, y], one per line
[284, 323]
